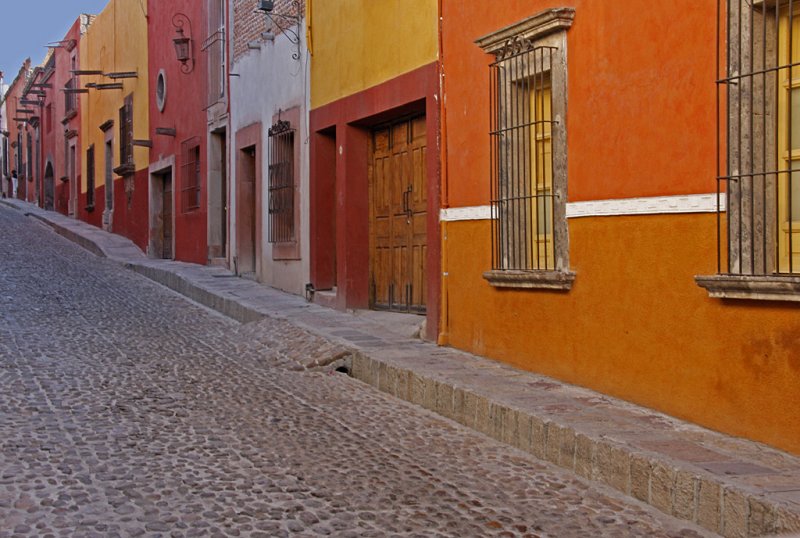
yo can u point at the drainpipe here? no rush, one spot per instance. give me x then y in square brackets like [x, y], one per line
[444, 316]
[228, 142]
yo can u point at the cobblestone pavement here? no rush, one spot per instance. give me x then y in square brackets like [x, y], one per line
[126, 410]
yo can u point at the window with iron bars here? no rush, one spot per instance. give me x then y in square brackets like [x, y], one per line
[70, 98]
[190, 174]
[527, 91]
[758, 163]
[522, 161]
[281, 183]
[214, 46]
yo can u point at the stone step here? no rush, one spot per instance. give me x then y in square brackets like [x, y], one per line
[734, 487]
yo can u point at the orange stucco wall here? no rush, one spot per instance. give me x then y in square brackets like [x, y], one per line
[636, 326]
[641, 99]
[641, 121]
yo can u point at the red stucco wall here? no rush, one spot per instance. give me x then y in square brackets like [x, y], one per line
[340, 201]
[184, 111]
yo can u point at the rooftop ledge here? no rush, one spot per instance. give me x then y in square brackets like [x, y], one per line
[760, 288]
[547, 280]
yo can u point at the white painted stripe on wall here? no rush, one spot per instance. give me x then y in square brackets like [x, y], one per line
[690, 203]
[477, 212]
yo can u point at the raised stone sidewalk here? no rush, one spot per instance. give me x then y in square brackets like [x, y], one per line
[727, 485]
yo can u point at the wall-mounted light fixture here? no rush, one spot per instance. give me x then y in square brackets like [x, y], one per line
[289, 23]
[183, 42]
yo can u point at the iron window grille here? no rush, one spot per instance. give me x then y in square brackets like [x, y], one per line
[90, 177]
[190, 168]
[758, 137]
[521, 133]
[70, 98]
[281, 182]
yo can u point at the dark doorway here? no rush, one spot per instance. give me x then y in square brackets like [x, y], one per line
[161, 227]
[246, 212]
[49, 188]
[166, 216]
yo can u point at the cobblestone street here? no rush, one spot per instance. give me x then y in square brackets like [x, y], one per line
[126, 410]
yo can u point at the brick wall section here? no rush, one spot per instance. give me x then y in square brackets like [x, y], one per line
[249, 24]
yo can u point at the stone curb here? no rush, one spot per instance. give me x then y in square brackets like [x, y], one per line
[685, 493]
[672, 486]
[229, 307]
[76, 238]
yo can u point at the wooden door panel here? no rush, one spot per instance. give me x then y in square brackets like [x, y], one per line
[399, 276]
[398, 215]
[419, 132]
[419, 196]
[383, 185]
[380, 139]
[418, 284]
[381, 276]
[398, 184]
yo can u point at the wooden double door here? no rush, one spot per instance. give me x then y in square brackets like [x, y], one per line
[398, 216]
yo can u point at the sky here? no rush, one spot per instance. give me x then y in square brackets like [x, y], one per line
[29, 25]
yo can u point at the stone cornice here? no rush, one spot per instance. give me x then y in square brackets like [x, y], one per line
[534, 27]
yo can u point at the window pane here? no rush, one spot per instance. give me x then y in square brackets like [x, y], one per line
[544, 212]
[794, 195]
[795, 132]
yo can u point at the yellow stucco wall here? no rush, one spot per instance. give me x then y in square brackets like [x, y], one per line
[636, 326]
[116, 41]
[361, 43]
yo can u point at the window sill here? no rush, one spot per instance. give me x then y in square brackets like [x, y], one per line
[288, 251]
[546, 280]
[759, 288]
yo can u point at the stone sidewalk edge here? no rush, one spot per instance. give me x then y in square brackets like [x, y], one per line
[679, 491]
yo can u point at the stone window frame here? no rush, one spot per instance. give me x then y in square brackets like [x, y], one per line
[751, 274]
[544, 29]
[161, 90]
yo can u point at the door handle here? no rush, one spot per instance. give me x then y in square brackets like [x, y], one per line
[407, 202]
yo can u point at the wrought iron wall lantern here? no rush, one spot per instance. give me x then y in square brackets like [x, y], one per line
[289, 23]
[183, 42]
